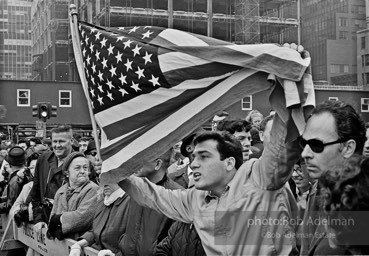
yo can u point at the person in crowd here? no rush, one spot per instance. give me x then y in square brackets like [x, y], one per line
[83, 143]
[47, 142]
[257, 146]
[366, 145]
[75, 141]
[302, 185]
[183, 176]
[178, 161]
[49, 175]
[24, 144]
[22, 209]
[95, 163]
[241, 130]
[223, 115]
[229, 193]
[146, 227]
[333, 133]
[346, 203]
[254, 117]
[109, 224]
[16, 158]
[75, 202]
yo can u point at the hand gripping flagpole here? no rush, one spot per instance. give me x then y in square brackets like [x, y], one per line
[79, 61]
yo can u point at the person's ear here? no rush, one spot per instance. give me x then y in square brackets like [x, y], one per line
[158, 164]
[349, 148]
[230, 163]
[261, 135]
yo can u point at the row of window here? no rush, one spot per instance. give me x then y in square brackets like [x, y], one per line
[24, 96]
[65, 100]
[246, 103]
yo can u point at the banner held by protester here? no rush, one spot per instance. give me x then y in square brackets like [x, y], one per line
[149, 86]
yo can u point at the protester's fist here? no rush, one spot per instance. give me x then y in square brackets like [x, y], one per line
[298, 48]
[105, 253]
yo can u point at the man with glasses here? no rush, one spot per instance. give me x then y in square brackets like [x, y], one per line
[333, 133]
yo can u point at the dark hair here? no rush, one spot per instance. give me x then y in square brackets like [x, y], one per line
[35, 140]
[227, 145]
[349, 125]
[346, 194]
[265, 121]
[235, 125]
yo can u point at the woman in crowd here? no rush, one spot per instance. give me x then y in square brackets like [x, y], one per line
[346, 203]
[75, 202]
[254, 117]
[109, 223]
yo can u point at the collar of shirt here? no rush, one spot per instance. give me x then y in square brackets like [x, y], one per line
[210, 196]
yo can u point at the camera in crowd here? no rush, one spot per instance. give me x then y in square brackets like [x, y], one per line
[22, 216]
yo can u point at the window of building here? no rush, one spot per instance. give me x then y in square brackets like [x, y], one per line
[363, 41]
[335, 69]
[345, 68]
[23, 97]
[246, 103]
[343, 35]
[333, 98]
[364, 104]
[342, 22]
[65, 98]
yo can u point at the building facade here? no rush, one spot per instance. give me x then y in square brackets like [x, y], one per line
[15, 39]
[329, 33]
[50, 26]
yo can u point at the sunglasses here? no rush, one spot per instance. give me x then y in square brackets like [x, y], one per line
[317, 146]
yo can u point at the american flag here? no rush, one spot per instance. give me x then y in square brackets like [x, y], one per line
[150, 86]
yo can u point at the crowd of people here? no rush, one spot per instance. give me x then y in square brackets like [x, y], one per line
[239, 189]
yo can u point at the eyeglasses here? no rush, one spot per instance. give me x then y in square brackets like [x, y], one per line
[317, 146]
[92, 153]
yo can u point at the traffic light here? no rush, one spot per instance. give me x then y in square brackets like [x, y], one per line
[44, 110]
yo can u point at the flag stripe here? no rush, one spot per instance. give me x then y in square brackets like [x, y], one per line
[199, 72]
[181, 38]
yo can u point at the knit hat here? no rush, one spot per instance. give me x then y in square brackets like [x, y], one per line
[91, 146]
[16, 156]
[69, 159]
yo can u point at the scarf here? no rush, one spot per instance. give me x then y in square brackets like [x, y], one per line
[108, 200]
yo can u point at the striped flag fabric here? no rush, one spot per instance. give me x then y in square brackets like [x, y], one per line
[150, 86]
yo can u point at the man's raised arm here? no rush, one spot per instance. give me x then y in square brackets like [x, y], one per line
[175, 204]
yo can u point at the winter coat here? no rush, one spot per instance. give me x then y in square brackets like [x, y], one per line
[146, 227]
[45, 185]
[13, 190]
[182, 239]
[78, 212]
[109, 224]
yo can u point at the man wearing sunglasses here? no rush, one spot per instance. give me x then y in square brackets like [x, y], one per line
[333, 133]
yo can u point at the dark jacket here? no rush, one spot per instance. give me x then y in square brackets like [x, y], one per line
[146, 227]
[314, 236]
[13, 190]
[44, 187]
[182, 239]
[109, 224]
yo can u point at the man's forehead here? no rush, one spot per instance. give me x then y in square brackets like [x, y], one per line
[206, 146]
[320, 125]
